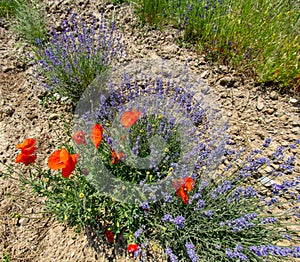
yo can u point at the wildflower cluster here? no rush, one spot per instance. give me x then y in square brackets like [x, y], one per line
[156, 171]
[73, 58]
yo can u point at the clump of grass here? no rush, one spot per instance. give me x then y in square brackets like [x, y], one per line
[30, 21]
[75, 57]
[8, 8]
[258, 35]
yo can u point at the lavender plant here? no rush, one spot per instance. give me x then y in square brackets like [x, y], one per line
[250, 35]
[76, 56]
[187, 192]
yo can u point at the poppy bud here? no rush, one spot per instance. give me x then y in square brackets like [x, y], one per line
[131, 249]
[110, 236]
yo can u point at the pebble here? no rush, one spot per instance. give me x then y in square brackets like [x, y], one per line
[6, 69]
[64, 98]
[227, 81]
[259, 104]
[53, 116]
[295, 130]
[205, 74]
[57, 96]
[170, 49]
[274, 95]
[270, 111]
[293, 100]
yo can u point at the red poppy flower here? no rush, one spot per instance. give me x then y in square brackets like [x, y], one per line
[26, 159]
[79, 138]
[129, 118]
[132, 248]
[116, 157]
[27, 146]
[110, 236]
[96, 135]
[184, 185]
[61, 159]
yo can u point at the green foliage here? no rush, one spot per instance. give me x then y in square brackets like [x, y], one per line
[6, 258]
[8, 8]
[261, 37]
[30, 21]
[72, 59]
[151, 11]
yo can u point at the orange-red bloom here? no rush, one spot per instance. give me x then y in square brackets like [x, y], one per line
[184, 185]
[61, 159]
[116, 156]
[26, 159]
[27, 146]
[129, 118]
[79, 138]
[110, 236]
[132, 248]
[96, 135]
[26, 156]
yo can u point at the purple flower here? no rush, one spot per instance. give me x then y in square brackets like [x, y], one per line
[167, 218]
[172, 257]
[145, 206]
[236, 254]
[241, 223]
[191, 251]
[138, 233]
[268, 220]
[179, 221]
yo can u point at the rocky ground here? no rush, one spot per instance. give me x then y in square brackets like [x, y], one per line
[253, 111]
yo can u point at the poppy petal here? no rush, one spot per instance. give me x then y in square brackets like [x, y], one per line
[132, 248]
[96, 135]
[66, 172]
[129, 118]
[29, 150]
[189, 183]
[28, 142]
[79, 138]
[54, 161]
[110, 236]
[183, 195]
[25, 159]
[116, 157]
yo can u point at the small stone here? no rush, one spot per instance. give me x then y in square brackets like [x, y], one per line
[23, 221]
[58, 27]
[72, 254]
[170, 49]
[223, 68]
[57, 96]
[53, 116]
[8, 111]
[20, 65]
[64, 98]
[270, 111]
[110, 6]
[293, 100]
[205, 74]
[227, 81]
[259, 104]
[295, 130]
[295, 123]
[229, 114]
[274, 95]
[6, 69]
[284, 119]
